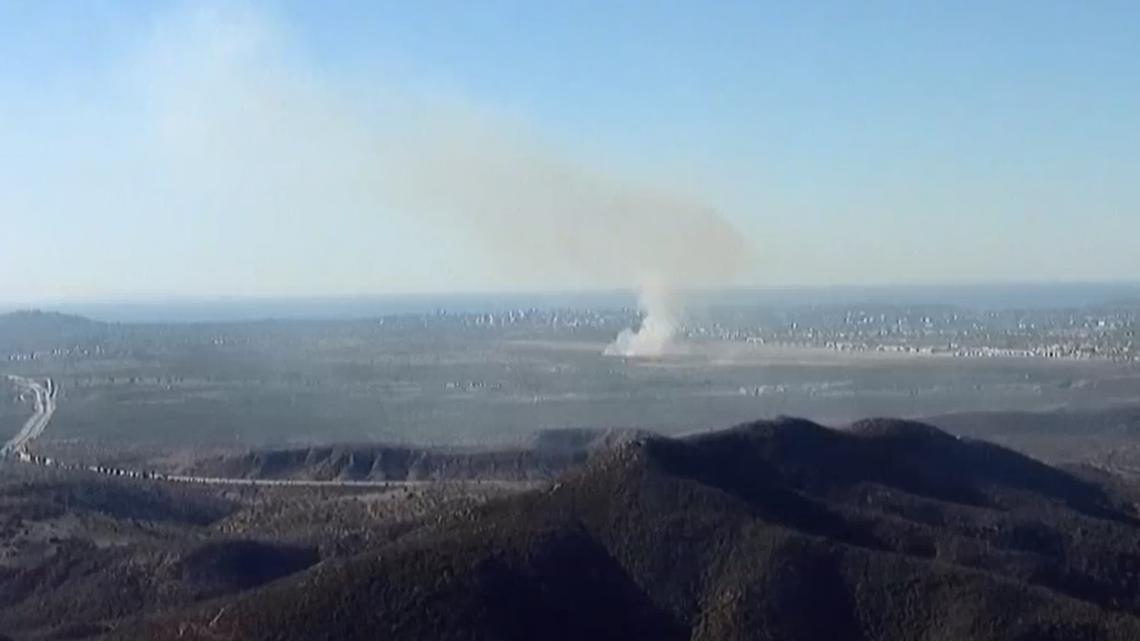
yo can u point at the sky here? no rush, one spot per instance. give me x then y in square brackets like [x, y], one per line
[342, 148]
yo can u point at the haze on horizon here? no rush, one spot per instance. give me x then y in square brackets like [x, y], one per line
[286, 149]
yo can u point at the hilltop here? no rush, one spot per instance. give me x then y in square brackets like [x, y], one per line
[36, 329]
[544, 456]
[40, 320]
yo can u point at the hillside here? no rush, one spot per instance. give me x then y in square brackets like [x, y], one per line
[34, 320]
[772, 530]
[76, 552]
[35, 329]
[1105, 436]
[544, 456]
[80, 554]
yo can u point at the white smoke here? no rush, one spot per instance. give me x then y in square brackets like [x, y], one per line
[660, 322]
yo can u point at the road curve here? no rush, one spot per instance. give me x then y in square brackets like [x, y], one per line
[44, 392]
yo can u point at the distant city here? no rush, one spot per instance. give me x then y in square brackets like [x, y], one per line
[1104, 332]
[1101, 332]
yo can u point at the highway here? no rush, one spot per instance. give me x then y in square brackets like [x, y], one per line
[44, 392]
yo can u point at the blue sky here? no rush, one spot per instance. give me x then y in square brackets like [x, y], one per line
[852, 143]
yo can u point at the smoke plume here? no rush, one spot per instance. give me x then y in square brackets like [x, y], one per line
[241, 134]
[538, 212]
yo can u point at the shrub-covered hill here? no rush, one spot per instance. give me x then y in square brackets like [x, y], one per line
[774, 530]
[547, 455]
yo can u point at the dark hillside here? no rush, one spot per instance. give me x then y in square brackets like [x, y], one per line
[79, 552]
[34, 329]
[772, 530]
[547, 455]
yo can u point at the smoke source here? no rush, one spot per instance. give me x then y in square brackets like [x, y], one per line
[657, 332]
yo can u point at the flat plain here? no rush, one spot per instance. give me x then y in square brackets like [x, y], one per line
[141, 391]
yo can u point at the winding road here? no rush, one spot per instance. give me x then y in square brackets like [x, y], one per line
[44, 392]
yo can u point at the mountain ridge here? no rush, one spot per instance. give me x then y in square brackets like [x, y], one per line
[772, 529]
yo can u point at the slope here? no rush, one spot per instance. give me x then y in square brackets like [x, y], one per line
[772, 530]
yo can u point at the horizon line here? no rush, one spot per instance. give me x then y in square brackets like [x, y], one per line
[157, 298]
[228, 307]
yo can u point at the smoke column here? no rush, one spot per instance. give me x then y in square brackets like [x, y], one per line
[538, 212]
[659, 323]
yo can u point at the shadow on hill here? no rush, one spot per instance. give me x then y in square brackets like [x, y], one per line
[229, 566]
[547, 455]
[763, 460]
